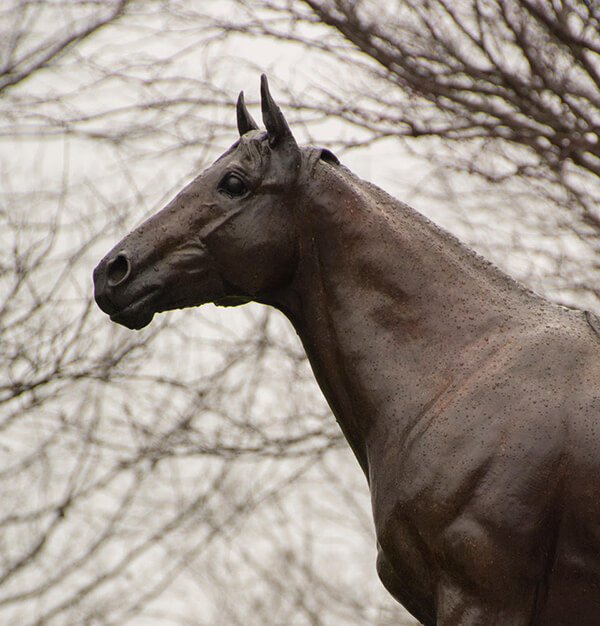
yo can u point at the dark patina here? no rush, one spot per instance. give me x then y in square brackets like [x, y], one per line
[471, 403]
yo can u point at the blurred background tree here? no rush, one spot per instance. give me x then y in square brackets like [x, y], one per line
[191, 473]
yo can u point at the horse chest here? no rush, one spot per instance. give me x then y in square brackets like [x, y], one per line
[404, 522]
[404, 562]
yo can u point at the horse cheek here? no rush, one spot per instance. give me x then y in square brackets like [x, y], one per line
[257, 255]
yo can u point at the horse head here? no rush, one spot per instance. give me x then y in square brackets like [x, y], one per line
[471, 403]
[228, 237]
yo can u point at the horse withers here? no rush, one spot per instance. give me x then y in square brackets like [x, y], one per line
[471, 403]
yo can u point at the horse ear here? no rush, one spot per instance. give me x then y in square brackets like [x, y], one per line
[277, 128]
[245, 121]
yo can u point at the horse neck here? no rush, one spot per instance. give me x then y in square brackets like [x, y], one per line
[386, 303]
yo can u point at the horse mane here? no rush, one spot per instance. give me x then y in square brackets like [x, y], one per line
[401, 215]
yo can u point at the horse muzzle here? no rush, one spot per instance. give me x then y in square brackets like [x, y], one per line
[115, 294]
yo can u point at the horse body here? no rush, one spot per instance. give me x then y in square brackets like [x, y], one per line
[465, 410]
[470, 403]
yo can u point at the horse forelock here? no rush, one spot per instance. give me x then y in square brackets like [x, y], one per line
[254, 147]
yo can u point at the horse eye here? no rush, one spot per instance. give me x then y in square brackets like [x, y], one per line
[233, 185]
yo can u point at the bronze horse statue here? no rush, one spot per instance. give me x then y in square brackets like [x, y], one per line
[471, 403]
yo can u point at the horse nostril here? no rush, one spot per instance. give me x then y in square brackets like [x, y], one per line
[118, 270]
